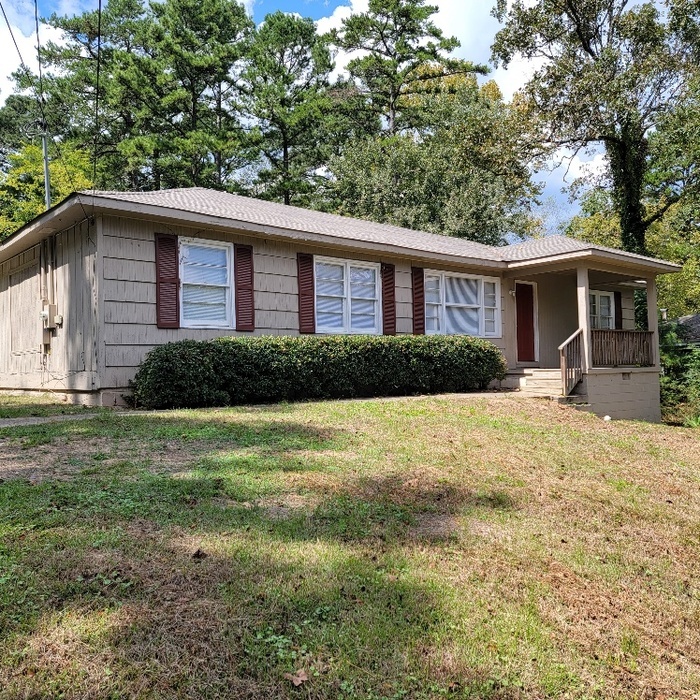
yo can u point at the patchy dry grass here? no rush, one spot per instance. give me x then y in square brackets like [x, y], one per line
[417, 548]
[37, 405]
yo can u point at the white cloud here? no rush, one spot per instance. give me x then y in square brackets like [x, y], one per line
[472, 24]
[335, 21]
[9, 59]
[583, 166]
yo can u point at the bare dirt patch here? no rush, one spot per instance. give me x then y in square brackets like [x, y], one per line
[433, 526]
[62, 461]
[288, 505]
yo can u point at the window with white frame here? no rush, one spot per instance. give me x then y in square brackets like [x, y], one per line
[347, 296]
[462, 304]
[602, 310]
[206, 276]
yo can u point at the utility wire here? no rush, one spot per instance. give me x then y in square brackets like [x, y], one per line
[42, 105]
[38, 54]
[97, 102]
[39, 95]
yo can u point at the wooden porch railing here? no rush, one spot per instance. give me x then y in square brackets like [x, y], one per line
[622, 348]
[571, 361]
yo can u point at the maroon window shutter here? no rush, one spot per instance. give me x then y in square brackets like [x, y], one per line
[418, 301]
[307, 311]
[618, 310]
[243, 280]
[167, 281]
[388, 299]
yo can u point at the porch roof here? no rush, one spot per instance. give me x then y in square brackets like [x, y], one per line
[550, 249]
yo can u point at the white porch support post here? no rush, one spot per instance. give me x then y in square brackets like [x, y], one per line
[584, 316]
[653, 319]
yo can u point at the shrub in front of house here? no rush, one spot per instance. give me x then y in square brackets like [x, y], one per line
[229, 371]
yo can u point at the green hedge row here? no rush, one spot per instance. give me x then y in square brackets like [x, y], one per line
[226, 371]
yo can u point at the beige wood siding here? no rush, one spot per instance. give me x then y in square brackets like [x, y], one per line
[70, 363]
[21, 326]
[557, 314]
[129, 290]
[128, 284]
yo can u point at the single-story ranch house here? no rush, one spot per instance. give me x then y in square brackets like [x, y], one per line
[88, 287]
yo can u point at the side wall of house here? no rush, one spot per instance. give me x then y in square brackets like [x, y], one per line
[62, 359]
[20, 327]
[632, 395]
[128, 293]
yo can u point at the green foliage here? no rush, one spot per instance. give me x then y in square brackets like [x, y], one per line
[468, 176]
[610, 73]
[286, 95]
[675, 238]
[269, 368]
[22, 186]
[680, 381]
[402, 51]
[167, 82]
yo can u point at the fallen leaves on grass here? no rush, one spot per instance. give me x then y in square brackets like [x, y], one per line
[297, 678]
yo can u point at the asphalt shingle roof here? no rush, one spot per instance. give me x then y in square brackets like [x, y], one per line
[692, 326]
[224, 205]
[256, 211]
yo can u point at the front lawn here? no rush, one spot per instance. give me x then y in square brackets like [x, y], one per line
[35, 404]
[454, 547]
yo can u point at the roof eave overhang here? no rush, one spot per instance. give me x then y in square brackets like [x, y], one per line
[635, 264]
[78, 207]
[60, 217]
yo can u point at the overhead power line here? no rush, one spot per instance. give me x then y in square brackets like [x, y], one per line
[97, 100]
[38, 93]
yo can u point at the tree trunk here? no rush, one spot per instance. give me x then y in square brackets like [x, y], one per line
[285, 171]
[218, 159]
[391, 125]
[627, 156]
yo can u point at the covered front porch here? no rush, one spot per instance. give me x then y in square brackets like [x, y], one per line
[573, 334]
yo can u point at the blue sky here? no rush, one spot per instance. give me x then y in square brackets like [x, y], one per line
[307, 8]
[469, 20]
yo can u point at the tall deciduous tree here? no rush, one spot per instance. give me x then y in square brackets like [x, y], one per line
[22, 186]
[467, 176]
[287, 100]
[401, 50]
[609, 72]
[675, 237]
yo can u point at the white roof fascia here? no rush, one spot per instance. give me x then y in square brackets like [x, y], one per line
[64, 215]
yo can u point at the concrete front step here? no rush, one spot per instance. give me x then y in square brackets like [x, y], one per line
[537, 372]
[572, 399]
[541, 383]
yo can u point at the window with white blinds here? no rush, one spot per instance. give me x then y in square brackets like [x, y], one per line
[462, 304]
[347, 296]
[206, 276]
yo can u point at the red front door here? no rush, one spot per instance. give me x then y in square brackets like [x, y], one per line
[525, 321]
